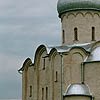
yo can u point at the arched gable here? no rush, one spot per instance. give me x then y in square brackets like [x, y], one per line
[52, 53]
[26, 64]
[76, 56]
[38, 54]
[79, 50]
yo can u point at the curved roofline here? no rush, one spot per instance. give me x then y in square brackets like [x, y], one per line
[38, 49]
[78, 48]
[52, 51]
[62, 49]
[49, 50]
[24, 64]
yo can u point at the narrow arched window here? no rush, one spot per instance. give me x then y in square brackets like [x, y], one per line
[42, 93]
[56, 76]
[30, 91]
[75, 34]
[43, 63]
[63, 36]
[93, 33]
[46, 93]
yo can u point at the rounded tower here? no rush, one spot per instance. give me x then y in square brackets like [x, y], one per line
[80, 20]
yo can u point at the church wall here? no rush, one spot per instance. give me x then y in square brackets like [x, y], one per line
[72, 66]
[92, 78]
[24, 84]
[49, 77]
[83, 21]
[67, 71]
[30, 80]
[57, 77]
[76, 57]
[45, 77]
[34, 83]
[25, 78]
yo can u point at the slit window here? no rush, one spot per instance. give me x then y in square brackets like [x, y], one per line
[42, 93]
[93, 33]
[30, 91]
[56, 76]
[46, 93]
[75, 34]
[63, 36]
[43, 63]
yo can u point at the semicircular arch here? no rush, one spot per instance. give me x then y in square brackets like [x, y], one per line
[38, 54]
[70, 14]
[80, 13]
[26, 64]
[88, 14]
[80, 50]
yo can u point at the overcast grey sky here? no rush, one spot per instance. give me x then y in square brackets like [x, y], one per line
[24, 25]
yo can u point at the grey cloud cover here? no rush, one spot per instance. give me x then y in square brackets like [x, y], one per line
[24, 25]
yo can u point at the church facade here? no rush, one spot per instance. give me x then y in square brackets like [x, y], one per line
[70, 71]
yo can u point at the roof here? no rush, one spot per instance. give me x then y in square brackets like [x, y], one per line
[70, 5]
[78, 89]
[87, 47]
[61, 49]
[94, 55]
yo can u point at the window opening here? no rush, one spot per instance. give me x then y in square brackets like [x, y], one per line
[42, 93]
[93, 33]
[63, 36]
[76, 34]
[43, 63]
[56, 76]
[46, 93]
[30, 91]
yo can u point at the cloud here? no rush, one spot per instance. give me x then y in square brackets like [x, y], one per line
[27, 8]
[10, 80]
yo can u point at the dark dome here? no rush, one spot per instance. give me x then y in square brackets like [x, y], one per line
[70, 5]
